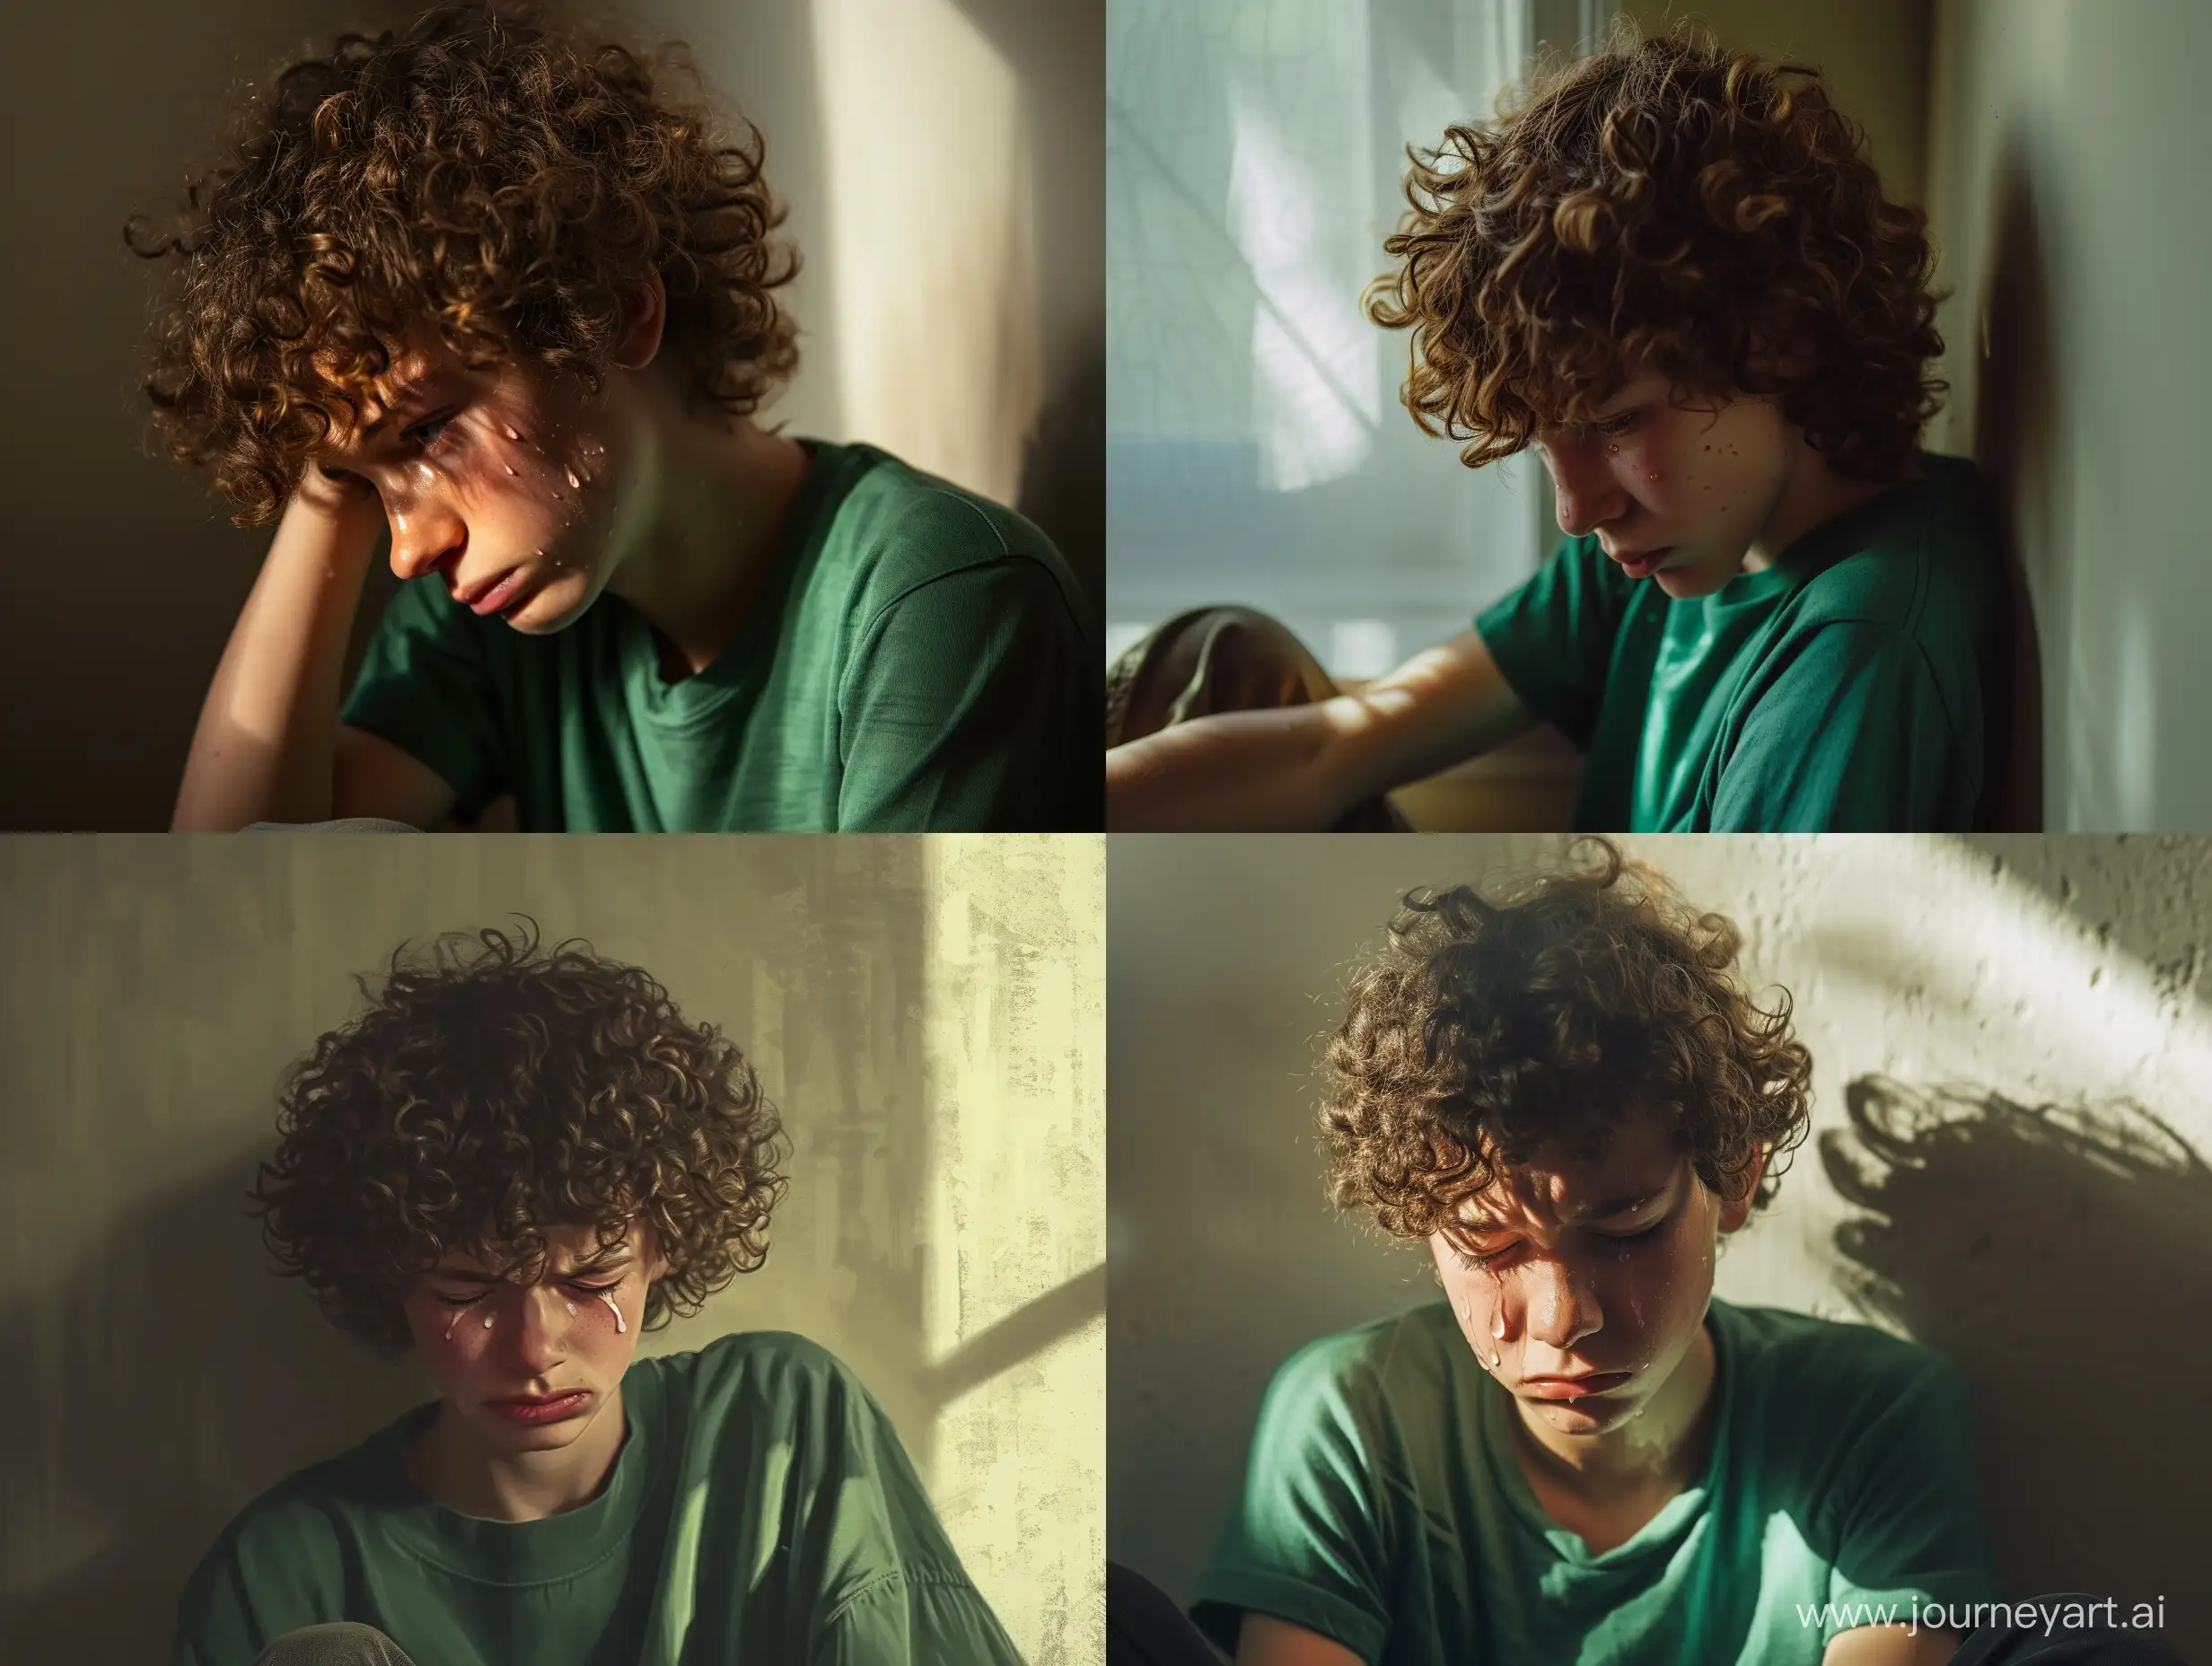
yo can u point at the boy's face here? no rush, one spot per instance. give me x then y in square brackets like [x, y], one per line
[572, 1333]
[1676, 488]
[504, 482]
[1599, 1269]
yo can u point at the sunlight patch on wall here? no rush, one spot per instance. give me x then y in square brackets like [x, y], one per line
[1014, 1212]
[935, 294]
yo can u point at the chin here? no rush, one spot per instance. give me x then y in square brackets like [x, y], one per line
[1690, 583]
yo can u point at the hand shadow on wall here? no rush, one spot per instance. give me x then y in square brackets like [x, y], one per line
[2054, 1255]
[175, 1376]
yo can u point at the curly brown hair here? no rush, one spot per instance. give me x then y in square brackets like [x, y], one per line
[484, 1096]
[1489, 1032]
[1664, 206]
[476, 174]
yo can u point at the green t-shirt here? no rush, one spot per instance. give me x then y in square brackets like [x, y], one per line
[760, 1509]
[1840, 688]
[1384, 1506]
[918, 659]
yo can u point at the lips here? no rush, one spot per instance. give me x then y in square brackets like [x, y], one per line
[526, 1399]
[1643, 563]
[490, 595]
[1575, 1388]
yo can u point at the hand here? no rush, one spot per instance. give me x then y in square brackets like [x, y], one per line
[338, 496]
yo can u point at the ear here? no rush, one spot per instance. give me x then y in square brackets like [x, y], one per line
[1735, 1211]
[645, 320]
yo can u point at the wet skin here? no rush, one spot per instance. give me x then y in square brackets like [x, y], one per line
[1575, 1268]
[482, 1340]
[1727, 482]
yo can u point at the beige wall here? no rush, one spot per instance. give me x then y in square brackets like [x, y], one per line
[944, 167]
[1999, 1031]
[928, 1014]
[1872, 56]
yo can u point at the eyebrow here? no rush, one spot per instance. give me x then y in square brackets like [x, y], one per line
[1603, 1212]
[615, 1255]
[407, 399]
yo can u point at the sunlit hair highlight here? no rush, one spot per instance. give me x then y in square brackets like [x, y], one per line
[476, 177]
[494, 1088]
[1662, 207]
[1492, 1031]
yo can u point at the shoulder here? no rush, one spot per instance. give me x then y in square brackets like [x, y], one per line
[1365, 1375]
[777, 1368]
[910, 527]
[282, 1555]
[1853, 1374]
[1928, 567]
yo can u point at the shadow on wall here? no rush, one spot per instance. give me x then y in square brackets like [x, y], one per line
[2054, 1255]
[1058, 55]
[2014, 411]
[189, 1378]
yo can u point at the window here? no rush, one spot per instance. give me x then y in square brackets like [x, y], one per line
[1257, 452]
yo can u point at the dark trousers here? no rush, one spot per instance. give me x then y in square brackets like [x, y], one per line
[1224, 660]
[1144, 1627]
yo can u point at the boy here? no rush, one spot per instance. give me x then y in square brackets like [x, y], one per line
[1678, 278]
[514, 1162]
[1565, 1096]
[493, 286]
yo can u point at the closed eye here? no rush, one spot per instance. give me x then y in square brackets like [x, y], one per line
[426, 434]
[1476, 1261]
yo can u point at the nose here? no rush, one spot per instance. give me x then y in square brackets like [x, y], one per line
[424, 538]
[1562, 1306]
[1587, 495]
[531, 1327]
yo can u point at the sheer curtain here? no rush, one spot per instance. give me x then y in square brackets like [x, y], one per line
[1256, 448]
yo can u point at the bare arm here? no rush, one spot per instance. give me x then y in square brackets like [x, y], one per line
[1889, 1645]
[1302, 768]
[268, 746]
[1264, 1640]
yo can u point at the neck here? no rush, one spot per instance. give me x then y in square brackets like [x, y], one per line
[1663, 1449]
[705, 513]
[517, 1486]
[1811, 494]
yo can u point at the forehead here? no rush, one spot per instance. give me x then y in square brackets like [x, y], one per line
[1641, 1161]
[563, 1243]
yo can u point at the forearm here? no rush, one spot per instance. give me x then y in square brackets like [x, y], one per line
[264, 748]
[1254, 771]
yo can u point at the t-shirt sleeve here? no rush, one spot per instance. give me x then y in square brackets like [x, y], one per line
[1850, 735]
[903, 1619]
[425, 686]
[899, 1595]
[1910, 1530]
[1306, 1543]
[1553, 637]
[969, 701]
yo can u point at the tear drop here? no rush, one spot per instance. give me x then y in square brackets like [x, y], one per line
[487, 1321]
[451, 1323]
[571, 1306]
[608, 1297]
[575, 485]
[1498, 1325]
[508, 467]
[509, 432]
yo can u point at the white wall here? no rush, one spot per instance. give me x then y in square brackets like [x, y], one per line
[925, 1013]
[2066, 176]
[2055, 1257]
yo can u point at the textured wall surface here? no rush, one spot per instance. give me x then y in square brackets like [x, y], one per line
[928, 1014]
[2010, 1041]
